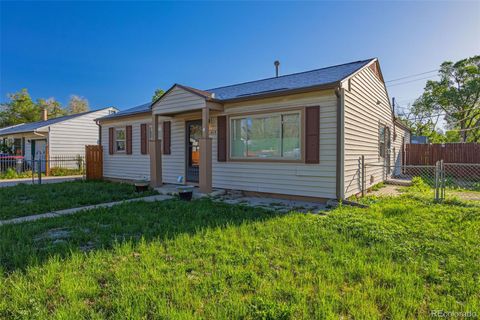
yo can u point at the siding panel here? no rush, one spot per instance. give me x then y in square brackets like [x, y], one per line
[314, 180]
[178, 100]
[70, 137]
[135, 166]
[366, 105]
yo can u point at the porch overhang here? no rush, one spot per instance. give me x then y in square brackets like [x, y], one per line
[179, 101]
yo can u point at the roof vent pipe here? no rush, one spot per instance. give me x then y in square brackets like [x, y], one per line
[277, 64]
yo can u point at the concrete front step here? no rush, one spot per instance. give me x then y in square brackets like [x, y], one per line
[171, 190]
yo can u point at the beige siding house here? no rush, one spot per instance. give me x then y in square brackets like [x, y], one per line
[298, 135]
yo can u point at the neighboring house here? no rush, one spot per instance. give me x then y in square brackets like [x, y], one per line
[300, 134]
[49, 138]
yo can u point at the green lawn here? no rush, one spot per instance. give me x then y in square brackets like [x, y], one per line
[24, 200]
[400, 258]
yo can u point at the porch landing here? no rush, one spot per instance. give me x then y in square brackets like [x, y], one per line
[171, 190]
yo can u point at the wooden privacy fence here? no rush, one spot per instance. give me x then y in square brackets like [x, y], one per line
[94, 162]
[429, 154]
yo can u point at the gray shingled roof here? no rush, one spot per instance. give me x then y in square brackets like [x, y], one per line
[305, 79]
[127, 112]
[32, 126]
[312, 78]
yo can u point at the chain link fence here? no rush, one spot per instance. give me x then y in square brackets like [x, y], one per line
[462, 175]
[441, 177]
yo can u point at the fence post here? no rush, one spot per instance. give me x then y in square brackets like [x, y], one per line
[436, 180]
[442, 170]
[39, 171]
[32, 164]
[363, 175]
[19, 165]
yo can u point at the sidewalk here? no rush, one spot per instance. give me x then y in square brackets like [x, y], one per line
[75, 210]
[14, 182]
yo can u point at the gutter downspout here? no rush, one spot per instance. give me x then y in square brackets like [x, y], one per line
[340, 156]
[99, 132]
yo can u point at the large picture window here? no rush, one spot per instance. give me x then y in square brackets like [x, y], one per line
[120, 144]
[267, 136]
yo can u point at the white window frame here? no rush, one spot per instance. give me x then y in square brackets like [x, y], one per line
[124, 129]
[382, 152]
[263, 115]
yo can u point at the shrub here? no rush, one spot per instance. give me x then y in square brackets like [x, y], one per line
[57, 172]
[418, 184]
[11, 173]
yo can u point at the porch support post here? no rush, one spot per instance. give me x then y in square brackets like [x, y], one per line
[205, 177]
[155, 149]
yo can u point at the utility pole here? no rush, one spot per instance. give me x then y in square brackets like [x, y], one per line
[393, 106]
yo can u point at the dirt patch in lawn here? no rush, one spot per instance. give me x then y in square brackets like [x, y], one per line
[466, 195]
[389, 190]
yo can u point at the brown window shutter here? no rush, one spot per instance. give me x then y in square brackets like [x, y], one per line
[110, 140]
[143, 138]
[129, 139]
[312, 135]
[222, 139]
[166, 137]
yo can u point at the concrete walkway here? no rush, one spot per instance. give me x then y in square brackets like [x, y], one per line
[45, 180]
[76, 210]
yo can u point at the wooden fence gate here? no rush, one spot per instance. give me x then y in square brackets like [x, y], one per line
[94, 162]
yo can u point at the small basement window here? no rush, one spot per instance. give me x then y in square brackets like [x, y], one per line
[120, 142]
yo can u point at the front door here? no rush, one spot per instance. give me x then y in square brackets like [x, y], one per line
[39, 152]
[193, 134]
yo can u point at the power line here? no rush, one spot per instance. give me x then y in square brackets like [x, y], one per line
[466, 129]
[403, 101]
[405, 82]
[411, 76]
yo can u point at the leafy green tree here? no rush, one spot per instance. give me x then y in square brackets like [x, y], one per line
[456, 97]
[77, 105]
[54, 108]
[425, 127]
[452, 136]
[158, 93]
[20, 109]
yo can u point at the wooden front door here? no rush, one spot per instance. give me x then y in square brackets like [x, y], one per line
[94, 162]
[192, 147]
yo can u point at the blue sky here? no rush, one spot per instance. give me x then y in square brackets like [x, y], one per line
[118, 53]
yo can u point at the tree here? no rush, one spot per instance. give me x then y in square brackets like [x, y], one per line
[158, 93]
[424, 127]
[54, 108]
[77, 105]
[20, 109]
[456, 97]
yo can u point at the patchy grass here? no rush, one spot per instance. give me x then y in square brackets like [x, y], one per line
[22, 200]
[11, 173]
[401, 258]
